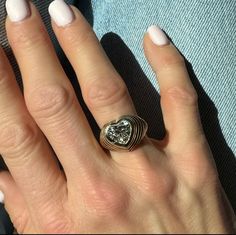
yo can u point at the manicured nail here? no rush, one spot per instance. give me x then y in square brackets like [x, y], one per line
[157, 36]
[17, 10]
[1, 197]
[61, 13]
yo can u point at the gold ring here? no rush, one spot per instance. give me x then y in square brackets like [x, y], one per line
[123, 134]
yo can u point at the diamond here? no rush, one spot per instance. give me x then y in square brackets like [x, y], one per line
[119, 133]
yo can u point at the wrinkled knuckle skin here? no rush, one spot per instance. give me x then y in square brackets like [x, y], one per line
[49, 101]
[17, 137]
[101, 94]
[107, 200]
[154, 185]
[29, 40]
[204, 174]
[209, 178]
[181, 96]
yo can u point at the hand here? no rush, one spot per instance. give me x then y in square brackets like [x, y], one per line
[168, 186]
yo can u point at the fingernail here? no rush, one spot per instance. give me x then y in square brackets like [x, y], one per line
[157, 36]
[61, 13]
[1, 197]
[17, 10]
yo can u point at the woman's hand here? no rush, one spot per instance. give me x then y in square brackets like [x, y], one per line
[168, 186]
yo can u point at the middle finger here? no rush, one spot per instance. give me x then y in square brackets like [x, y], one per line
[104, 91]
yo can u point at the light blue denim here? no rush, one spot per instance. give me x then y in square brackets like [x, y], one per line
[205, 33]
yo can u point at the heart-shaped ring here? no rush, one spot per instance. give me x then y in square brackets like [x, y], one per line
[123, 134]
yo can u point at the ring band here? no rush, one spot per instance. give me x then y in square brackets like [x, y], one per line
[123, 134]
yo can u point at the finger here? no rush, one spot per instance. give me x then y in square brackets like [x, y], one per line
[14, 202]
[103, 90]
[24, 149]
[178, 96]
[50, 97]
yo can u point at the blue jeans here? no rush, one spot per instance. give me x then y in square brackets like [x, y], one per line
[204, 31]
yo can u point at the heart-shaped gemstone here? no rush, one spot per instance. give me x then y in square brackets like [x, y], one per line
[119, 133]
[123, 134]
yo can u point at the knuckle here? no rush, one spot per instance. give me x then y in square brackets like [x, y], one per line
[100, 94]
[198, 165]
[153, 184]
[17, 137]
[152, 180]
[49, 101]
[206, 177]
[29, 39]
[181, 96]
[204, 174]
[107, 199]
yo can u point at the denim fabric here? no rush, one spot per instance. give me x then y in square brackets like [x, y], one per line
[203, 30]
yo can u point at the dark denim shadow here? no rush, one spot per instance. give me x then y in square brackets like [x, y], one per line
[85, 7]
[147, 102]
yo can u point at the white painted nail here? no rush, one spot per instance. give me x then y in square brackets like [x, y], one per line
[157, 36]
[17, 10]
[1, 197]
[61, 13]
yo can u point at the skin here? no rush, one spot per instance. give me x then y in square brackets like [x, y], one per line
[168, 186]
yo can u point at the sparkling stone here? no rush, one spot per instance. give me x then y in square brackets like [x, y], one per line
[119, 133]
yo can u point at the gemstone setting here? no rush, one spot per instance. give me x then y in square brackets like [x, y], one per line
[124, 134]
[119, 133]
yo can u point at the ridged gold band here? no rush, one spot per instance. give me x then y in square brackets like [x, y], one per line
[123, 134]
